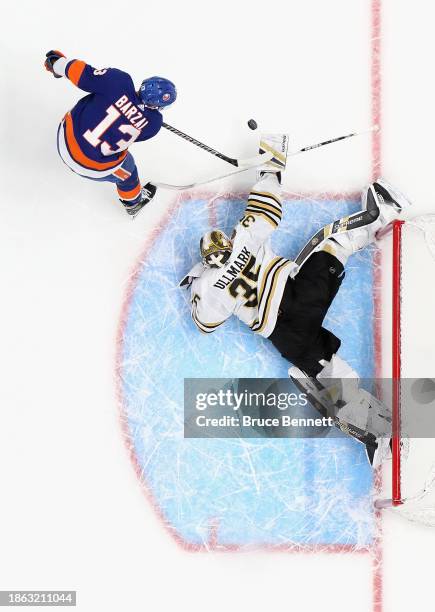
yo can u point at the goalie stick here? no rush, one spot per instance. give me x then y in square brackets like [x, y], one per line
[345, 224]
[257, 161]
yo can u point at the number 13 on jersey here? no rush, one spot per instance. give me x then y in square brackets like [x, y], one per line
[94, 137]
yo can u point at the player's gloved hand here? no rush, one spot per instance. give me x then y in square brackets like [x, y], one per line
[52, 57]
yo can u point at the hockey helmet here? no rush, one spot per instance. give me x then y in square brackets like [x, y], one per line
[157, 92]
[216, 248]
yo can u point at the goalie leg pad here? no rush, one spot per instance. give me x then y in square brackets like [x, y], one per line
[366, 412]
[354, 411]
[381, 204]
[355, 405]
[339, 378]
[342, 246]
[319, 398]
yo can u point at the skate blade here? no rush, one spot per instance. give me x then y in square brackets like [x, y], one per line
[140, 210]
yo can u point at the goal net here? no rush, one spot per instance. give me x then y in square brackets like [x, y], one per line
[411, 474]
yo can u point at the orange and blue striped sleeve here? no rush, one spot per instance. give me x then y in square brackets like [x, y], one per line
[93, 80]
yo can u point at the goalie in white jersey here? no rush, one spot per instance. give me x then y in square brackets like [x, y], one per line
[243, 276]
[283, 300]
[280, 299]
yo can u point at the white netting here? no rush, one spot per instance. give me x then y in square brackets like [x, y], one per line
[425, 223]
[421, 507]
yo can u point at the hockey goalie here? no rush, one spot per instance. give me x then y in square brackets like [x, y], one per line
[286, 301]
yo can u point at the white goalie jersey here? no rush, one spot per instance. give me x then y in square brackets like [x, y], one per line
[251, 283]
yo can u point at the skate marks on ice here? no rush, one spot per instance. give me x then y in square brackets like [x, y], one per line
[239, 493]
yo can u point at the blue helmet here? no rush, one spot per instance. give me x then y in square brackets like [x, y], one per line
[158, 92]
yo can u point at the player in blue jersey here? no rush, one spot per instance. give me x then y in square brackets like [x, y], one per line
[94, 137]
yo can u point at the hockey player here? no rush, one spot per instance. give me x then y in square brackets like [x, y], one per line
[277, 298]
[94, 137]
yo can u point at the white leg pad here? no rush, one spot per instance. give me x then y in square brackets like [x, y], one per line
[337, 368]
[365, 411]
[361, 408]
[348, 243]
[339, 378]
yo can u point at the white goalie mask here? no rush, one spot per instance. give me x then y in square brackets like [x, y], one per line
[216, 248]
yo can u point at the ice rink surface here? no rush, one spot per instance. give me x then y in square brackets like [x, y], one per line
[73, 514]
[239, 493]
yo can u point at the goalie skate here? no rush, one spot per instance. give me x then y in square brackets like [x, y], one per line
[387, 199]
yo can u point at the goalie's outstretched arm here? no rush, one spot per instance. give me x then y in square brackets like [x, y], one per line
[263, 212]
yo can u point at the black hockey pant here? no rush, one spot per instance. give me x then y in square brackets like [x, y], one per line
[298, 333]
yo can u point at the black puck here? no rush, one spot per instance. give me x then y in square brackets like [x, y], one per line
[252, 124]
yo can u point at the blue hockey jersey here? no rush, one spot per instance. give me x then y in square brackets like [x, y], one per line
[102, 125]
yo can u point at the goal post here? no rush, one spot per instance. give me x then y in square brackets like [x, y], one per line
[396, 351]
[410, 477]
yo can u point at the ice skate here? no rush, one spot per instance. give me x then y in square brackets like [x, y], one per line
[384, 202]
[148, 192]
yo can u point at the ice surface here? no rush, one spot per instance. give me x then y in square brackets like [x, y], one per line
[237, 493]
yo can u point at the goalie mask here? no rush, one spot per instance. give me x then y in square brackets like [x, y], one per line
[216, 248]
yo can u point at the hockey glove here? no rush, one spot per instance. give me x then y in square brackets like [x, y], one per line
[52, 57]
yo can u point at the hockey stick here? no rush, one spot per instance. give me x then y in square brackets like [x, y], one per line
[261, 158]
[358, 219]
[257, 161]
[210, 180]
[374, 128]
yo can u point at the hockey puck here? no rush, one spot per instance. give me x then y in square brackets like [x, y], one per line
[252, 124]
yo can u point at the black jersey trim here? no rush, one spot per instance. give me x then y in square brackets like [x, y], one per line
[254, 207]
[266, 194]
[267, 205]
[267, 295]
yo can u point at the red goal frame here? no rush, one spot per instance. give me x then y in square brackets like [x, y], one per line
[397, 363]
[396, 498]
[417, 506]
